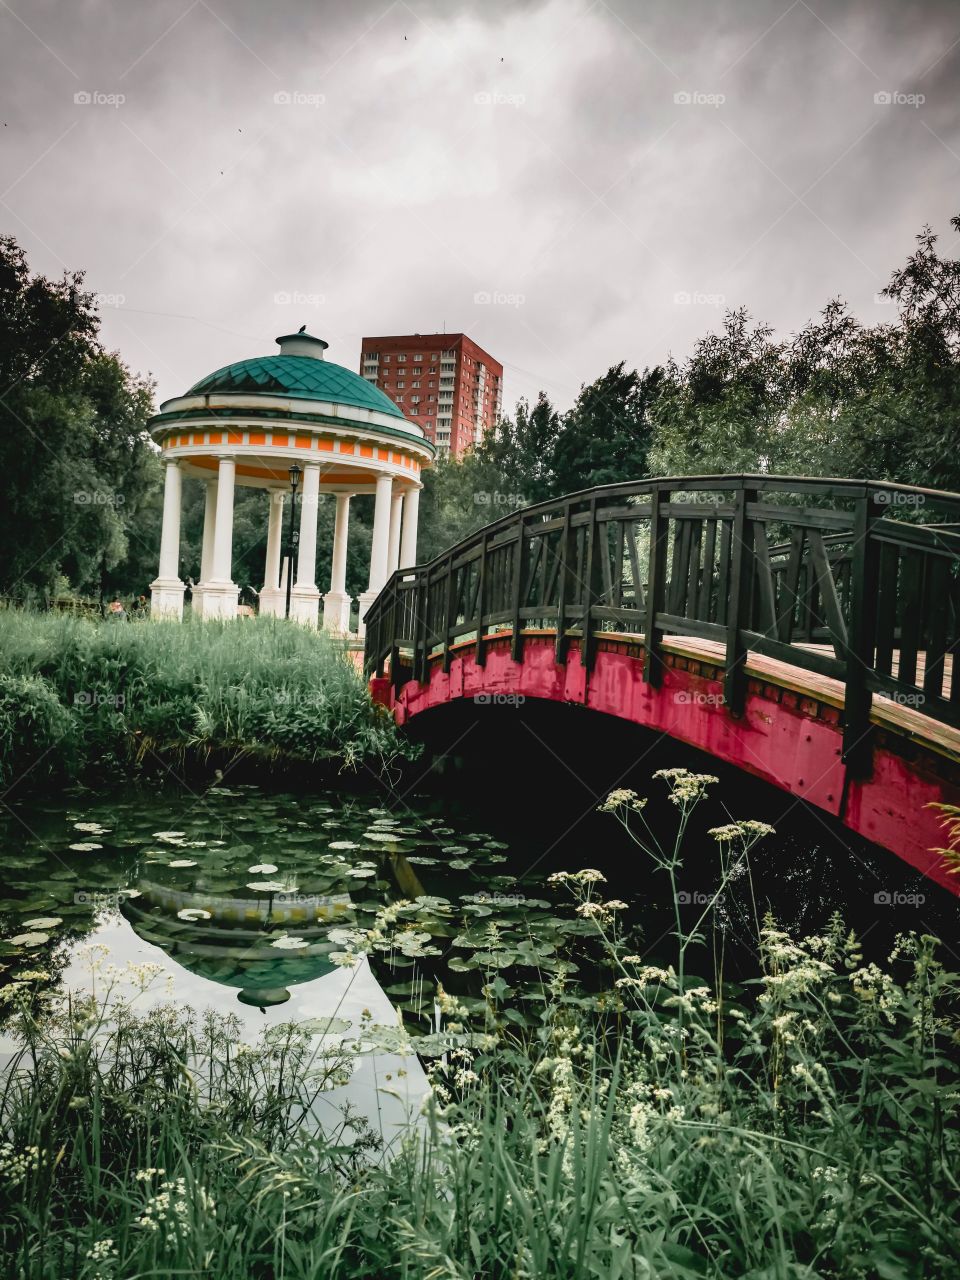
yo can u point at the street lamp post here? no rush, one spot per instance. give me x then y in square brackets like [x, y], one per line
[295, 474]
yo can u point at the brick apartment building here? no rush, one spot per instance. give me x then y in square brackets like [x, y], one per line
[442, 381]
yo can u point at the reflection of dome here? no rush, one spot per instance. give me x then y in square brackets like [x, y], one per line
[234, 946]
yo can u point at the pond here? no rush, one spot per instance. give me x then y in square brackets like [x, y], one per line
[251, 901]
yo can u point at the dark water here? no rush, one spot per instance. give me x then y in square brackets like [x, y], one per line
[247, 895]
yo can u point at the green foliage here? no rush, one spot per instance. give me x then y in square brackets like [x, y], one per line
[76, 466]
[127, 691]
[37, 733]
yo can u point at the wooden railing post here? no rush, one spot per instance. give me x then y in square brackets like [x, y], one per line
[567, 558]
[857, 696]
[519, 569]
[656, 582]
[592, 587]
[738, 601]
[479, 655]
[422, 625]
[449, 609]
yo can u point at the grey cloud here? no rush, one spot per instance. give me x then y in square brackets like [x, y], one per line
[575, 183]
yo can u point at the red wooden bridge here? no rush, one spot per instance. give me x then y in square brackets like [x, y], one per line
[802, 630]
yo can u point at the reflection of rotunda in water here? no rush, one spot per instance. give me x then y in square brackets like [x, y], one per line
[231, 940]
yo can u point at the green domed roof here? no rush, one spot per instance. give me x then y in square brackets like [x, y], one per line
[303, 377]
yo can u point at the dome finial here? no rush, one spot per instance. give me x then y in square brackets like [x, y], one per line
[302, 343]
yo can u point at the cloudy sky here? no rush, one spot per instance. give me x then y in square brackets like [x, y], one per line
[571, 182]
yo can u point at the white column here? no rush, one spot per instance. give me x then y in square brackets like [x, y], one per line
[305, 600]
[271, 597]
[167, 590]
[209, 522]
[206, 554]
[396, 512]
[170, 532]
[220, 592]
[336, 602]
[408, 535]
[380, 548]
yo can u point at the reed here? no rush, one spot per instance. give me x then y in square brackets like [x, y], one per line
[76, 692]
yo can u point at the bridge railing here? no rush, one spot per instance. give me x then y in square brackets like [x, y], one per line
[855, 580]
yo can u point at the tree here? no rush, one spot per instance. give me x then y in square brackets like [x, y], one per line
[76, 463]
[606, 436]
[722, 411]
[522, 450]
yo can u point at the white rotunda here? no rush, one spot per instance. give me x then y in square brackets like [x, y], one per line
[290, 422]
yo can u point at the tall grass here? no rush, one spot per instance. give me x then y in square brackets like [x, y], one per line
[804, 1125]
[74, 691]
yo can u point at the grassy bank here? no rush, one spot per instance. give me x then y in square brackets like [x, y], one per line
[75, 692]
[667, 1126]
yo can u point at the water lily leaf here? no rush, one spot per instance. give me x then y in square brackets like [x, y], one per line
[496, 959]
[85, 846]
[194, 913]
[262, 869]
[289, 943]
[385, 1038]
[325, 1026]
[29, 939]
[182, 862]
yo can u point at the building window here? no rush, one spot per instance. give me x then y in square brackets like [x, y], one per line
[401, 383]
[386, 359]
[416, 358]
[415, 382]
[401, 359]
[399, 399]
[418, 368]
